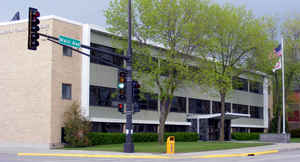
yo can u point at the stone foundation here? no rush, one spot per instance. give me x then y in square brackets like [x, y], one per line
[276, 138]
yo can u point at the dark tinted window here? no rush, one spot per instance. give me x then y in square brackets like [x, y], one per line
[240, 129]
[148, 101]
[66, 91]
[107, 127]
[256, 87]
[216, 107]
[242, 109]
[198, 106]
[178, 104]
[67, 51]
[102, 96]
[256, 112]
[144, 128]
[240, 84]
[100, 58]
[175, 128]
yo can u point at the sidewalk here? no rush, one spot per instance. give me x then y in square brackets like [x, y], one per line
[105, 154]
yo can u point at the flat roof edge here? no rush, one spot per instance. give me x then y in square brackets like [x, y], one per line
[42, 18]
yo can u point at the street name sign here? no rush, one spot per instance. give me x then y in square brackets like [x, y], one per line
[69, 41]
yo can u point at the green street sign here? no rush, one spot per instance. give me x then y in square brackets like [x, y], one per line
[69, 41]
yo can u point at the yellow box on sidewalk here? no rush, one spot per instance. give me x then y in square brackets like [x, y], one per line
[170, 145]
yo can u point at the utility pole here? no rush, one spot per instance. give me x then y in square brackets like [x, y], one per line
[129, 146]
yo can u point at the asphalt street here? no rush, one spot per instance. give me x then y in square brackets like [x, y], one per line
[290, 156]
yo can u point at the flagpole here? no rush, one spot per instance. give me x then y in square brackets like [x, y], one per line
[283, 90]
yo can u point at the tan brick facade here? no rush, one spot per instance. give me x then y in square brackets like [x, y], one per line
[31, 106]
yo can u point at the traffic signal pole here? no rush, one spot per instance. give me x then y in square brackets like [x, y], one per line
[129, 146]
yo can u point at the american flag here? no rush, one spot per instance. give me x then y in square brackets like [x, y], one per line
[278, 51]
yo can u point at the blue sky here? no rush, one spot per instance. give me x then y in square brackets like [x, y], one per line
[91, 11]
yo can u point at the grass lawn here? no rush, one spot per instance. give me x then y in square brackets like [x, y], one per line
[179, 146]
[296, 140]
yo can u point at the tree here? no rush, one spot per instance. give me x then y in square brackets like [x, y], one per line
[178, 26]
[238, 44]
[76, 127]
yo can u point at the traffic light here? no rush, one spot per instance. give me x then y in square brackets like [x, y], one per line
[121, 108]
[122, 85]
[33, 28]
[135, 91]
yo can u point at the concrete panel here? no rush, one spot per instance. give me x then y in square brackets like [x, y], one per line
[112, 114]
[247, 122]
[104, 76]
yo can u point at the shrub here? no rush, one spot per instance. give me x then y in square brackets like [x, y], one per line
[183, 136]
[106, 138]
[295, 133]
[245, 136]
[144, 137]
[97, 138]
[76, 127]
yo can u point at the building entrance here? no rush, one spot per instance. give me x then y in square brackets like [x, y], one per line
[208, 126]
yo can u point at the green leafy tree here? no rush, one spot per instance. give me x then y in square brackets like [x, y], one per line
[178, 26]
[238, 44]
[76, 127]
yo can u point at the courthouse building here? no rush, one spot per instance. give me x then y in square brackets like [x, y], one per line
[37, 87]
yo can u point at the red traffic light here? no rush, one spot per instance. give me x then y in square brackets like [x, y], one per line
[120, 106]
[36, 14]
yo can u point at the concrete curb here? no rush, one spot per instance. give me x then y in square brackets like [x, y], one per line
[236, 155]
[148, 156]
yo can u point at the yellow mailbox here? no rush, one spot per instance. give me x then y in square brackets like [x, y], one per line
[171, 145]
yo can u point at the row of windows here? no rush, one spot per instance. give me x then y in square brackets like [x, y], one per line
[103, 96]
[98, 58]
[242, 85]
[241, 129]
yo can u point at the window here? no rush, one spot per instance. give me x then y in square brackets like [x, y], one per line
[144, 128]
[256, 112]
[240, 84]
[198, 106]
[242, 109]
[102, 96]
[178, 104]
[100, 58]
[240, 129]
[256, 87]
[67, 51]
[259, 130]
[107, 127]
[148, 101]
[67, 91]
[175, 128]
[216, 107]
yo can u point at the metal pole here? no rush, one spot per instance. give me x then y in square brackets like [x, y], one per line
[283, 89]
[129, 146]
